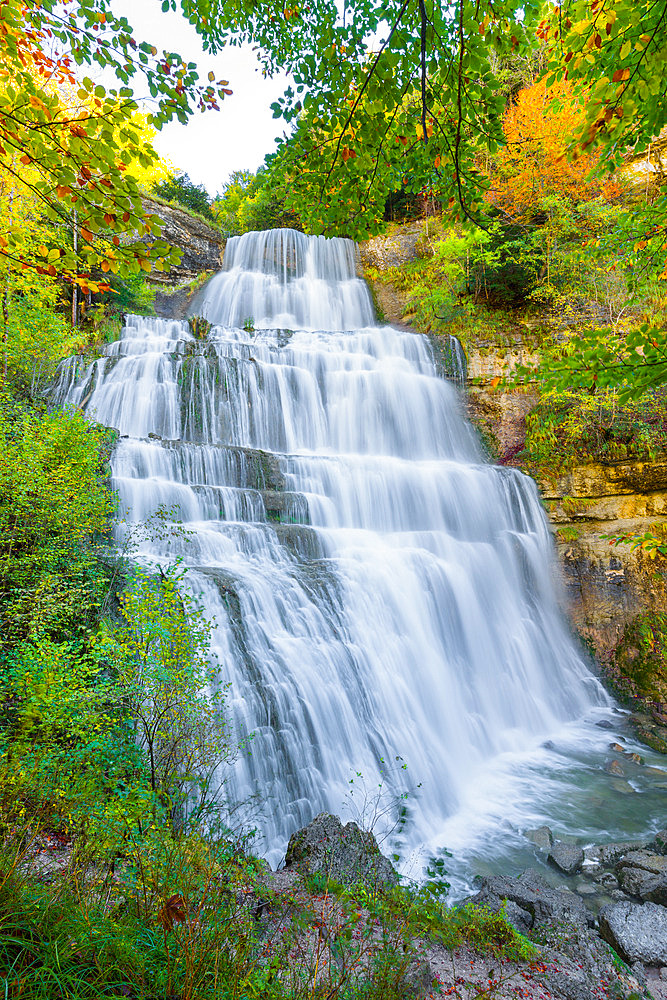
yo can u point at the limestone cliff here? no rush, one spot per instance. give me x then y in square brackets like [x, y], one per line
[202, 248]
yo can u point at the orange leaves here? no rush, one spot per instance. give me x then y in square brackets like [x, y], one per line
[347, 154]
[536, 162]
[620, 75]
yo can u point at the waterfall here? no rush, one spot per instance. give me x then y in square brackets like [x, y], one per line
[379, 591]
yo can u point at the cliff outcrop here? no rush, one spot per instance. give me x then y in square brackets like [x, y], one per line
[201, 244]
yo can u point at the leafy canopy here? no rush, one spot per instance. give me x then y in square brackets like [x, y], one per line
[73, 144]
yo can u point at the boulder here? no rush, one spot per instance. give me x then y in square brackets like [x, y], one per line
[542, 837]
[345, 854]
[659, 845]
[533, 894]
[646, 860]
[637, 882]
[644, 874]
[567, 858]
[608, 854]
[637, 931]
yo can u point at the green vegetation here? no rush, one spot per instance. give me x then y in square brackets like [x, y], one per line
[570, 428]
[179, 189]
[641, 658]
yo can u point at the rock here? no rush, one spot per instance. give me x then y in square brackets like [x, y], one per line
[644, 874]
[608, 854]
[613, 767]
[345, 854]
[533, 894]
[622, 787]
[663, 972]
[608, 880]
[659, 844]
[201, 244]
[637, 882]
[605, 724]
[616, 747]
[542, 837]
[637, 931]
[586, 889]
[567, 858]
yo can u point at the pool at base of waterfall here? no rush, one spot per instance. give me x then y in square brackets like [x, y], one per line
[385, 603]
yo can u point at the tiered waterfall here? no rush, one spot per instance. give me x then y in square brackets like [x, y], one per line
[378, 589]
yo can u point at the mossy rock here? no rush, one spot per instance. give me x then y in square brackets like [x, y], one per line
[345, 854]
[641, 655]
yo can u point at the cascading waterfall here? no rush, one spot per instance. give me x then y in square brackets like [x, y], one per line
[378, 589]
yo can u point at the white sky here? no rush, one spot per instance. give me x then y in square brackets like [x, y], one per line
[213, 144]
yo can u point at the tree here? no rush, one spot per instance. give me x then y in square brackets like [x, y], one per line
[404, 87]
[538, 127]
[180, 189]
[159, 653]
[71, 142]
[255, 201]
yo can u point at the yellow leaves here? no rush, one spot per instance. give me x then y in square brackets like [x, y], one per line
[38, 103]
[420, 130]
[625, 48]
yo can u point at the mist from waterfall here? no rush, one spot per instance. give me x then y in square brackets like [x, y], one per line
[379, 591]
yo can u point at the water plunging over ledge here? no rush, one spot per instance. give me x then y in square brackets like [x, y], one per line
[378, 589]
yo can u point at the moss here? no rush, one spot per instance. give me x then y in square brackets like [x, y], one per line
[640, 658]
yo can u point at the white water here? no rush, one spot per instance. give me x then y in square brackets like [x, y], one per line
[378, 589]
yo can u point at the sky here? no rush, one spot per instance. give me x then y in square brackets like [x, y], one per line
[215, 143]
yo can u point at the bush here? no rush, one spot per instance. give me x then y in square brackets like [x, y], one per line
[569, 428]
[182, 191]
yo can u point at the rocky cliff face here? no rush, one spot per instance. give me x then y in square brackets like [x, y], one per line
[609, 591]
[202, 248]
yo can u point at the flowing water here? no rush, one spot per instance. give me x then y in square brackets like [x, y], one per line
[385, 608]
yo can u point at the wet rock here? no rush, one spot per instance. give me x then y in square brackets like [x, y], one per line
[542, 837]
[586, 889]
[644, 874]
[616, 747]
[637, 931]
[614, 767]
[647, 860]
[345, 854]
[605, 724]
[608, 880]
[608, 855]
[567, 858]
[622, 787]
[659, 844]
[637, 882]
[533, 894]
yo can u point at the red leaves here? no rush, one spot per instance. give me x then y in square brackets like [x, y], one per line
[173, 912]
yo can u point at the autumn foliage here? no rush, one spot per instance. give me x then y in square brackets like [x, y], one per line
[535, 163]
